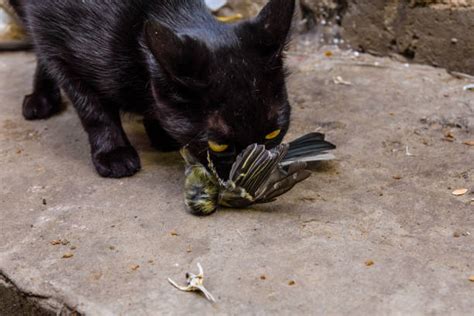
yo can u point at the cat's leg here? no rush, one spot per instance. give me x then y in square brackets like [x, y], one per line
[45, 101]
[112, 154]
[159, 138]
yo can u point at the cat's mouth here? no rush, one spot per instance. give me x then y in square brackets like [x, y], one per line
[223, 168]
[223, 163]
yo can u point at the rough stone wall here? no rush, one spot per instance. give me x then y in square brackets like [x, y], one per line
[451, 3]
[321, 7]
[436, 32]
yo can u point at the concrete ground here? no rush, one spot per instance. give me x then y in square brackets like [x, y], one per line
[377, 231]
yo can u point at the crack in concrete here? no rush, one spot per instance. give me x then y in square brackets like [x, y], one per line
[15, 301]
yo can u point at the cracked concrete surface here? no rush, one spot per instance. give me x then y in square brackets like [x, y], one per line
[308, 253]
[14, 301]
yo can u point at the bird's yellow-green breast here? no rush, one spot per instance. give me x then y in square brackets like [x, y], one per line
[201, 190]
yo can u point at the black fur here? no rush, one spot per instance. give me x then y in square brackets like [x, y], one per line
[193, 78]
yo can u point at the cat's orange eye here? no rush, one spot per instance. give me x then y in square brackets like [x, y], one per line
[217, 148]
[273, 134]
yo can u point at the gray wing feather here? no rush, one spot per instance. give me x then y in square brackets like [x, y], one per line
[309, 148]
[283, 181]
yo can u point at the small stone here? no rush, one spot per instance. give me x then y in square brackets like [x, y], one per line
[369, 263]
[460, 192]
[65, 242]
[469, 142]
[73, 248]
[454, 40]
[263, 277]
[456, 235]
[291, 283]
[328, 53]
[44, 202]
[397, 177]
[471, 278]
[96, 276]
[55, 242]
[134, 267]
[68, 255]
[449, 135]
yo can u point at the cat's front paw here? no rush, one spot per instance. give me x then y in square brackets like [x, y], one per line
[118, 163]
[39, 106]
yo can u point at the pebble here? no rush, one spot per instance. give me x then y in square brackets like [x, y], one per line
[460, 192]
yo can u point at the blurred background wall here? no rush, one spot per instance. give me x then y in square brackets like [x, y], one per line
[435, 32]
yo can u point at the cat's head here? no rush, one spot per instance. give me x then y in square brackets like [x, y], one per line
[221, 95]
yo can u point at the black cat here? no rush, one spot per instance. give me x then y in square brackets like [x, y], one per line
[199, 83]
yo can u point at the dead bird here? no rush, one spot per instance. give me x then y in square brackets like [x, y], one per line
[257, 176]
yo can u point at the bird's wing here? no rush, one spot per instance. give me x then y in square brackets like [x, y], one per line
[255, 165]
[244, 160]
[260, 176]
[311, 147]
[282, 181]
[262, 170]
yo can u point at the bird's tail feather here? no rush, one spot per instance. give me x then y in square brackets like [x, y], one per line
[311, 147]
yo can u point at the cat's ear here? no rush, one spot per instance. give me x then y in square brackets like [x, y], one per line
[270, 30]
[183, 59]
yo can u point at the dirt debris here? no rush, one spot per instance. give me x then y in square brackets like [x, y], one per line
[328, 53]
[460, 192]
[57, 242]
[134, 267]
[338, 80]
[449, 136]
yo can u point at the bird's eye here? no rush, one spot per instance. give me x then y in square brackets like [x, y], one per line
[273, 134]
[217, 148]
